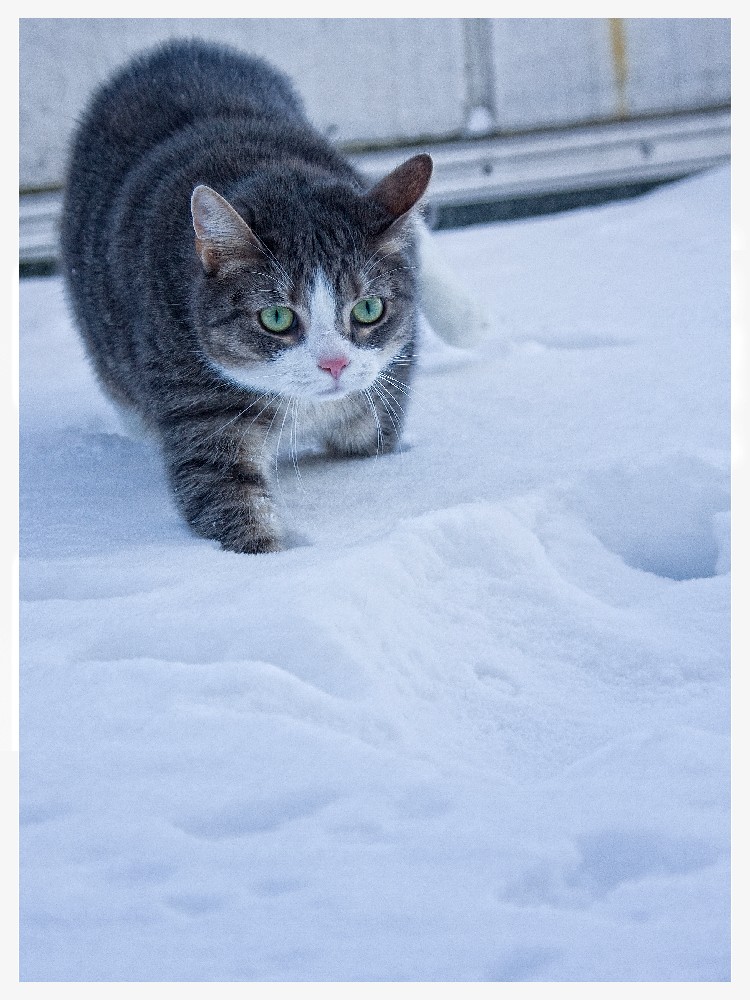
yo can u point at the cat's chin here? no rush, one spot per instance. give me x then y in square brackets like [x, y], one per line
[335, 392]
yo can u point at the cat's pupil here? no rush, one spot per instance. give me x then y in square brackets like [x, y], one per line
[368, 310]
[277, 319]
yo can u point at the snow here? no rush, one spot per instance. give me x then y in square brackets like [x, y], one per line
[473, 723]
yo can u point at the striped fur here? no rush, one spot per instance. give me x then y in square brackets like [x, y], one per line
[168, 302]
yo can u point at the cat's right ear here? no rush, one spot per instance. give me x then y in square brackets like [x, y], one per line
[400, 190]
[221, 234]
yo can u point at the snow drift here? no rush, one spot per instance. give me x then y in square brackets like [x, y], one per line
[473, 723]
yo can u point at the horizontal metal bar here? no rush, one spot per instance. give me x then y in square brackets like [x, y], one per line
[574, 159]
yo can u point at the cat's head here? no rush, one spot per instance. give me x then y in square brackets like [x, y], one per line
[307, 286]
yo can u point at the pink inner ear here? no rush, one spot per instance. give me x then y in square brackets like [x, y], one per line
[402, 188]
[215, 220]
[221, 232]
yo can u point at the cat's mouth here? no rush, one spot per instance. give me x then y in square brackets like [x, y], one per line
[334, 392]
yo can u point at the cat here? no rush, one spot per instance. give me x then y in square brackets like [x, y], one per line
[229, 269]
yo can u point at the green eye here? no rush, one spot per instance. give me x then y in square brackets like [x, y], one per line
[276, 319]
[368, 310]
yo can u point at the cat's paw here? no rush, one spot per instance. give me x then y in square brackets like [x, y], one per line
[238, 528]
[251, 545]
[370, 450]
[251, 535]
[367, 450]
[364, 446]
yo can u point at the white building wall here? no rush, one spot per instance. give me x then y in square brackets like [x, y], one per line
[369, 82]
[676, 64]
[383, 83]
[552, 71]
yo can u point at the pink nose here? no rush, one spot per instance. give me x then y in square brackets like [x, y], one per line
[333, 365]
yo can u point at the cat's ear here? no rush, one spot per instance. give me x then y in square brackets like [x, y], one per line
[400, 190]
[220, 232]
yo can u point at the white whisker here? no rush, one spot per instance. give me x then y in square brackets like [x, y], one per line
[372, 260]
[295, 414]
[394, 270]
[392, 398]
[268, 429]
[246, 429]
[377, 421]
[237, 416]
[392, 415]
[397, 383]
[278, 444]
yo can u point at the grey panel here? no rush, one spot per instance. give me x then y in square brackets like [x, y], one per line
[386, 83]
[677, 64]
[552, 71]
[365, 82]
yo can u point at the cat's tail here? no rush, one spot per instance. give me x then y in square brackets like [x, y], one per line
[451, 309]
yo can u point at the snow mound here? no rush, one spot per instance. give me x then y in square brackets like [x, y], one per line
[472, 724]
[660, 517]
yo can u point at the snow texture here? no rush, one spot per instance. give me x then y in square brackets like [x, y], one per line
[473, 723]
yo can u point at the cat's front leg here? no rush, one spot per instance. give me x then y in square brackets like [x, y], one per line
[371, 426]
[221, 487]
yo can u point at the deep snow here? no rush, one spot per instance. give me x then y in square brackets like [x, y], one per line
[473, 724]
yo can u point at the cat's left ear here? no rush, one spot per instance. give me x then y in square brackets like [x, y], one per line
[221, 234]
[400, 190]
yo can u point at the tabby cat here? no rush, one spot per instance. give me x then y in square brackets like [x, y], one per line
[229, 270]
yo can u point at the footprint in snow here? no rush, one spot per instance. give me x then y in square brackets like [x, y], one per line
[145, 871]
[32, 813]
[252, 816]
[271, 887]
[607, 859]
[492, 674]
[194, 904]
[570, 340]
[612, 857]
[521, 965]
[668, 517]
